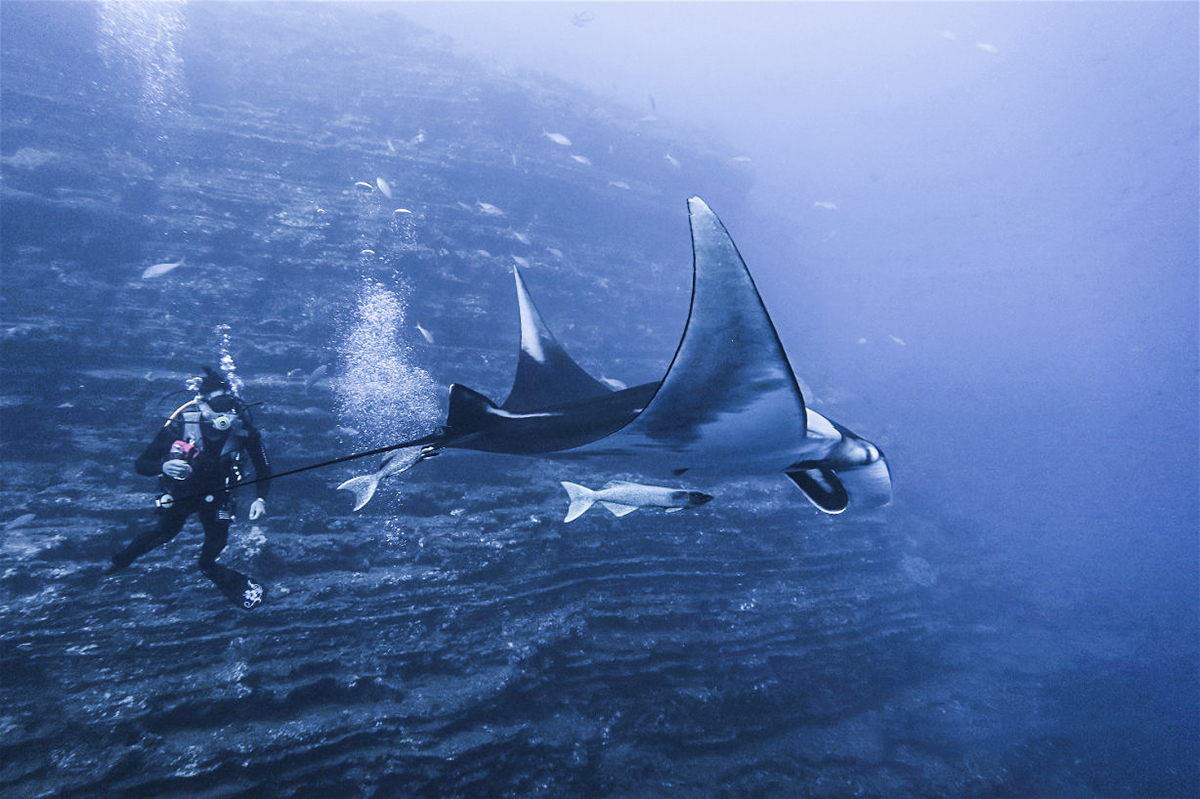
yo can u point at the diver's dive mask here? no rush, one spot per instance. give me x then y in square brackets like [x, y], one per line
[220, 410]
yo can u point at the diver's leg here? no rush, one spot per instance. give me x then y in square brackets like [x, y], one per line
[216, 535]
[239, 588]
[170, 522]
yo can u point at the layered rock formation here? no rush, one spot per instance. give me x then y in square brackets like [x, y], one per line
[455, 639]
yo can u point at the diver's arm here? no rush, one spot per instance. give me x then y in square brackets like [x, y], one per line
[262, 464]
[150, 462]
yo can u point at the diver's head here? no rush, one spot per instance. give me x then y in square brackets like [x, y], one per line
[219, 409]
[211, 381]
[217, 402]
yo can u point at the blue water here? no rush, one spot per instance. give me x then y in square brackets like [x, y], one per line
[975, 227]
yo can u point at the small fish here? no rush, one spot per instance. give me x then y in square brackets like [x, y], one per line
[384, 187]
[401, 211]
[828, 206]
[988, 48]
[672, 161]
[158, 270]
[425, 334]
[391, 146]
[366, 252]
[622, 498]
[557, 138]
[741, 159]
[618, 184]
[317, 376]
[401, 460]
[897, 339]
[521, 262]
[581, 159]
[554, 252]
[521, 237]
[20, 521]
[489, 209]
[614, 384]
[947, 35]
[364, 184]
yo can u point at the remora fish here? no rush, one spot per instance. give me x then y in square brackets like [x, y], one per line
[401, 460]
[622, 498]
[158, 270]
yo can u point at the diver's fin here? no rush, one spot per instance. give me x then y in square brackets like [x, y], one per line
[581, 499]
[822, 488]
[617, 509]
[237, 587]
[546, 374]
[363, 488]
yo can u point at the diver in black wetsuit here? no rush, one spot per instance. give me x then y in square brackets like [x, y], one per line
[197, 456]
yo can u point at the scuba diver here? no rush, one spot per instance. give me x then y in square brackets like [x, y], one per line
[198, 456]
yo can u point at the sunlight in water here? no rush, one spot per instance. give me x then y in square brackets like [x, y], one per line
[141, 36]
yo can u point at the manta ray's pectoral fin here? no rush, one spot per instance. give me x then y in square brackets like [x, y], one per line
[546, 374]
[729, 401]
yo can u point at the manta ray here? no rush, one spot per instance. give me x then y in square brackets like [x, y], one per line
[728, 405]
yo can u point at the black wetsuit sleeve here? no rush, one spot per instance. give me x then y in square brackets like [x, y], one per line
[262, 464]
[151, 460]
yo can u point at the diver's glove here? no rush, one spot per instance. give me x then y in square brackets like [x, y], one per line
[258, 508]
[177, 469]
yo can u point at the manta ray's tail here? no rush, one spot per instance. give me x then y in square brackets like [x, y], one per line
[581, 498]
[363, 488]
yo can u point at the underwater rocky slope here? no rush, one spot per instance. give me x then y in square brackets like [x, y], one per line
[454, 639]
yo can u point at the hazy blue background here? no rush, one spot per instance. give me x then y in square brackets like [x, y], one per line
[974, 225]
[1016, 200]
